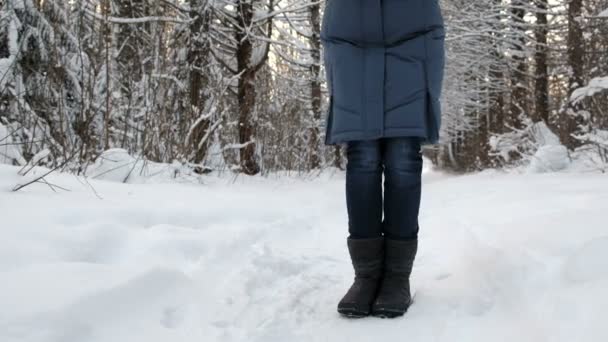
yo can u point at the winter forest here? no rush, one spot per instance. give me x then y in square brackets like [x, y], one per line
[240, 85]
[164, 177]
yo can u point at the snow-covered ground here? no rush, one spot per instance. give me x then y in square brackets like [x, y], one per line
[503, 257]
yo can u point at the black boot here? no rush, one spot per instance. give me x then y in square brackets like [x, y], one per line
[367, 257]
[394, 296]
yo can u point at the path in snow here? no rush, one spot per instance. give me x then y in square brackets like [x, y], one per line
[502, 258]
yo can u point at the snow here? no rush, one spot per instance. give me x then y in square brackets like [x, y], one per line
[596, 85]
[140, 20]
[549, 158]
[117, 165]
[9, 154]
[604, 13]
[503, 257]
[539, 148]
[543, 135]
[551, 155]
[589, 263]
[16, 4]
[114, 164]
[7, 64]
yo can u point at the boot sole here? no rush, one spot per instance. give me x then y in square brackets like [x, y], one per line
[388, 313]
[352, 313]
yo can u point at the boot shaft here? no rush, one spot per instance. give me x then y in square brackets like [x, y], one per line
[399, 256]
[367, 256]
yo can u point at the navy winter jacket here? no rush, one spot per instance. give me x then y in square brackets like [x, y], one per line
[384, 63]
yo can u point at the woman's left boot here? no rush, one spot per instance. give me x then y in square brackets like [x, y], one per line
[367, 258]
[394, 296]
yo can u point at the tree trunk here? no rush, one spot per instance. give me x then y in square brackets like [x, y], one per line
[246, 83]
[569, 122]
[246, 89]
[541, 88]
[519, 92]
[315, 87]
[198, 56]
[107, 11]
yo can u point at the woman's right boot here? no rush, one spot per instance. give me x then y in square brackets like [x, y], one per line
[394, 295]
[367, 256]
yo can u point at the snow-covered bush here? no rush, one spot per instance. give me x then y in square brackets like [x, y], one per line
[535, 146]
[117, 165]
[596, 85]
[593, 154]
[594, 135]
[9, 154]
[549, 158]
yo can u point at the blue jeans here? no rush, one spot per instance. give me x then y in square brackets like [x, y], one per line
[400, 160]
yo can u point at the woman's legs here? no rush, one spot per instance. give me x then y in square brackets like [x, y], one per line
[364, 188]
[402, 161]
[402, 181]
[365, 243]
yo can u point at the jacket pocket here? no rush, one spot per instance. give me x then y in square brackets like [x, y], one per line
[329, 120]
[346, 74]
[435, 60]
[328, 117]
[341, 20]
[326, 19]
[328, 66]
[434, 70]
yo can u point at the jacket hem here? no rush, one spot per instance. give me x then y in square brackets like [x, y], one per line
[342, 137]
